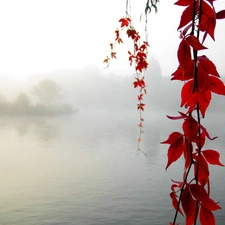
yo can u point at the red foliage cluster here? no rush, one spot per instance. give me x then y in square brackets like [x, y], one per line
[138, 58]
[191, 197]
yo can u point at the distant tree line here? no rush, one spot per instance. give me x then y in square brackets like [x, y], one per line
[47, 93]
[88, 88]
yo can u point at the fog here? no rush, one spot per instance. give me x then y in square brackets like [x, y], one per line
[51, 163]
[69, 126]
[90, 88]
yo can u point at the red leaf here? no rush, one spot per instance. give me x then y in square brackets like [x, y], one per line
[204, 99]
[207, 65]
[125, 21]
[173, 137]
[192, 102]
[208, 10]
[118, 39]
[199, 192]
[210, 205]
[207, 25]
[178, 184]
[190, 99]
[175, 151]
[203, 169]
[190, 128]
[194, 43]
[205, 132]
[186, 74]
[140, 106]
[183, 114]
[106, 60]
[206, 217]
[139, 83]
[184, 55]
[141, 55]
[200, 139]
[189, 205]
[178, 75]
[208, 20]
[185, 30]
[211, 1]
[177, 146]
[140, 125]
[203, 80]
[183, 2]
[141, 64]
[211, 28]
[143, 47]
[186, 16]
[140, 97]
[113, 55]
[175, 202]
[203, 26]
[212, 157]
[131, 57]
[131, 33]
[216, 85]
[220, 14]
[136, 47]
[186, 92]
[175, 117]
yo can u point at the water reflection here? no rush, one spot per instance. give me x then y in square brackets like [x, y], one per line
[86, 170]
[44, 128]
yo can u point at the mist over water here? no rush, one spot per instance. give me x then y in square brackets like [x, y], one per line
[68, 152]
[83, 167]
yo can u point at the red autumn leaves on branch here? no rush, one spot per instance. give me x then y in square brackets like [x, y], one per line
[191, 197]
[137, 57]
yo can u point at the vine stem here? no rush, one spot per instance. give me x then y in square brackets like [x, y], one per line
[195, 53]
[182, 188]
[195, 87]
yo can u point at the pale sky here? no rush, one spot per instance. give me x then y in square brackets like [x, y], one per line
[41, 36]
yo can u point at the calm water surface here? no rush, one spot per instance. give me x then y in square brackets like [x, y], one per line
[85, 170]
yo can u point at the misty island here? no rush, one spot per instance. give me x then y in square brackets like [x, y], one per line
[46, 102]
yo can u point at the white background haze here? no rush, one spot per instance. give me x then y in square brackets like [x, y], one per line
[41, 36]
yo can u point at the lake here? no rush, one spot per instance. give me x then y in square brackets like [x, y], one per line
[85, 170]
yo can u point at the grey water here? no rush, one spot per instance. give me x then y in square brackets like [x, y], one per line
[85, 170]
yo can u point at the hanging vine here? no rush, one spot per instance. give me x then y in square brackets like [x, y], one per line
[190, 196]
[137, 56]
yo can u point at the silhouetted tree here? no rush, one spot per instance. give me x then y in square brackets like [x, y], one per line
[22, 103]
[47, 91]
